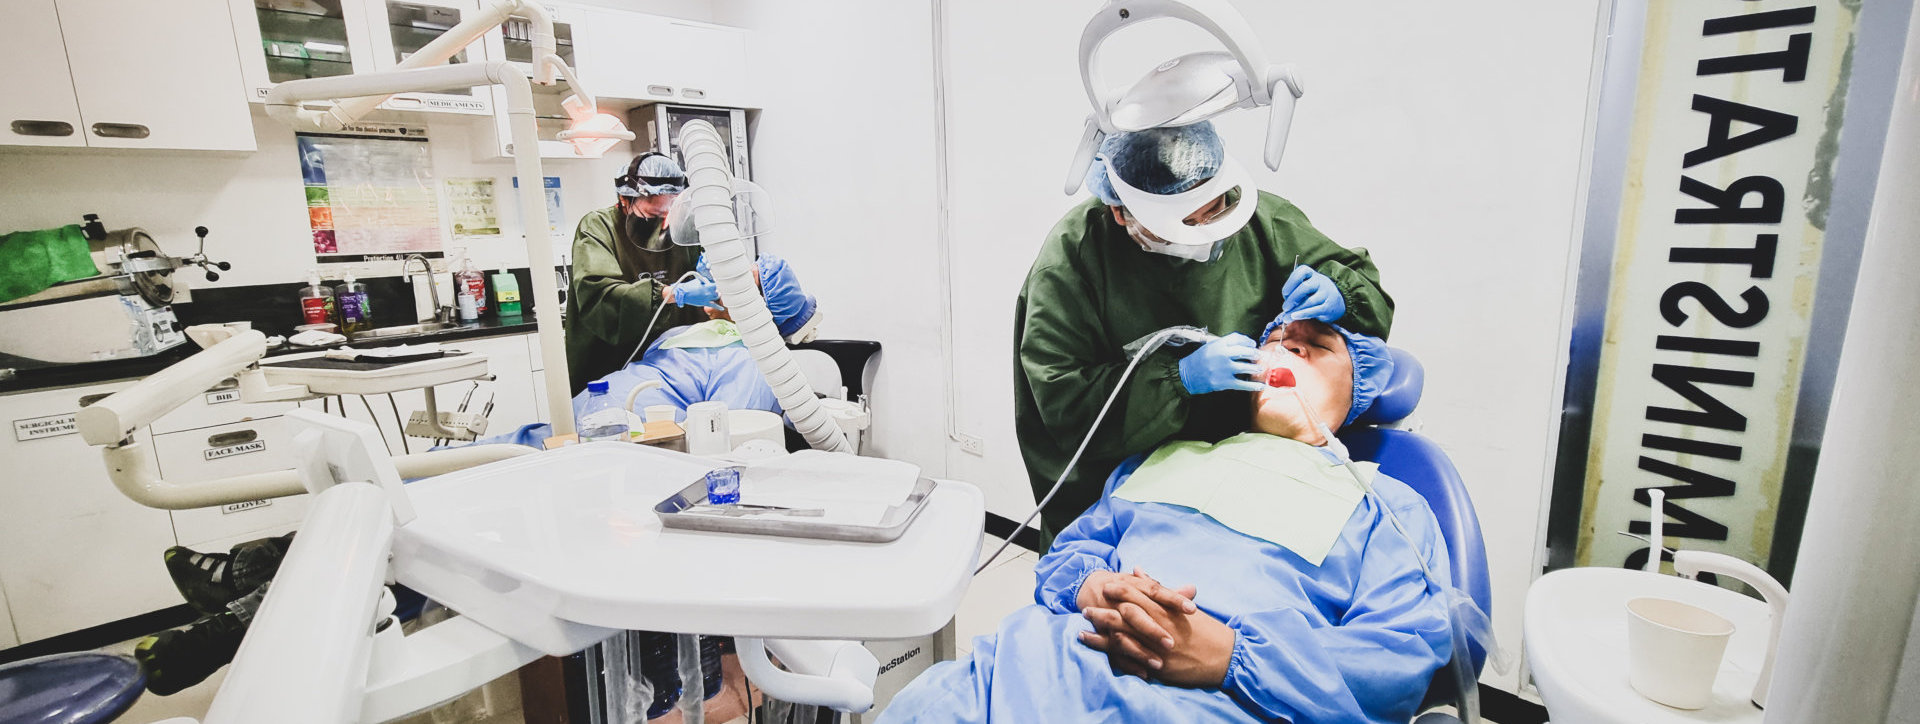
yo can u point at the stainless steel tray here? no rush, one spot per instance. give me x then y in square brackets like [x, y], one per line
[673, 514]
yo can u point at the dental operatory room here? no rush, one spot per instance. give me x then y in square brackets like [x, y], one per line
[806, 361]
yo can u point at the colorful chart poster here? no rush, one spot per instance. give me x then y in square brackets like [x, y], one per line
[471, 205]
[370, 196]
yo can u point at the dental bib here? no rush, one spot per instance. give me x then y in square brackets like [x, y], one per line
[1282, 491]
[711, 334]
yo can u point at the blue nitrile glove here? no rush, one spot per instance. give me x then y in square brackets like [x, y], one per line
[790, 307]
[1226, 363]
[1311, 295]
[696, 293]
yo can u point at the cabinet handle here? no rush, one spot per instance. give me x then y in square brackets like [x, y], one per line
[42, 128]
[229, 439]
[86, 400]
[661, 90]
[121, 130]
[692, 93]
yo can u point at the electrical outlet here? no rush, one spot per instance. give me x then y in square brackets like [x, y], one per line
[971, 444]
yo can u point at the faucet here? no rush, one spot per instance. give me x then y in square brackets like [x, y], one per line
[440, 314]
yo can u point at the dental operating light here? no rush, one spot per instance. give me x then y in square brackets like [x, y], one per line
[1187, 89]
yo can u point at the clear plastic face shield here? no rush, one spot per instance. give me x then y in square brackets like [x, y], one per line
[752, 211]
[1193, 223]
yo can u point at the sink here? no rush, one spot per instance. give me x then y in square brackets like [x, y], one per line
[1576, 642]
[405, 330]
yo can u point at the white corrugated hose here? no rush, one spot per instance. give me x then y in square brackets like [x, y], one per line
[710, 194]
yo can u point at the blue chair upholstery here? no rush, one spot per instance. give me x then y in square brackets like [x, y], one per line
[1415, 460]
[79, 688]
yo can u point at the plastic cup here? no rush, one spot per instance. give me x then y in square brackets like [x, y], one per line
[1674, 651]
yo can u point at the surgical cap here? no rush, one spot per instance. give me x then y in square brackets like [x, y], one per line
[651, 174]
[1157, 160]
[1372, 366]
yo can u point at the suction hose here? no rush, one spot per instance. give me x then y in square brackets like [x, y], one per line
[710, 193]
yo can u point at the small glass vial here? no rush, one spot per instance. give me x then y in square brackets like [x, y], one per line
[723, 486]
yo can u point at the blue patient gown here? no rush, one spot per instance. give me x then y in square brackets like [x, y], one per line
[689, 375]
[1356, 639]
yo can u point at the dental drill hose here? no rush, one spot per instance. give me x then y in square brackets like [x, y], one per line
[1146, 346]
[710, 192]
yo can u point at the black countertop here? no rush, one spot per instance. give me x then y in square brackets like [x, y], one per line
[34, 374]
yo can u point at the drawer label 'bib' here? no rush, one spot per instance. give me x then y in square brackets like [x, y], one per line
[215, 398]
[216, 453]
[35, 428]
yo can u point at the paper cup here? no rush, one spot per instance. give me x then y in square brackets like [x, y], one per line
[1674, 651]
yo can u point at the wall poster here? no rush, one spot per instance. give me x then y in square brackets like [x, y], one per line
[370, 192]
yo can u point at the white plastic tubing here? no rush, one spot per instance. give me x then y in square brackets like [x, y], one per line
[710, 192]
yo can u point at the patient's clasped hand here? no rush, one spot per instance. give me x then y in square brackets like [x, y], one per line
[1296, 598]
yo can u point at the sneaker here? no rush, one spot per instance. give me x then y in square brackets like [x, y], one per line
[210, 581]
[174, 660]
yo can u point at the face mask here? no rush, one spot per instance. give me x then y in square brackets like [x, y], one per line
[641, 231]
[1191, 252]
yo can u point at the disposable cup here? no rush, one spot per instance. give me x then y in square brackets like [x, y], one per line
[1674, 651]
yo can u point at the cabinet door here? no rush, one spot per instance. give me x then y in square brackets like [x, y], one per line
[282, 40]
[511, 390]
[79, 553]
[37, 105]
[647, 57]
[237, 448]
[157, 74]
[399, 28]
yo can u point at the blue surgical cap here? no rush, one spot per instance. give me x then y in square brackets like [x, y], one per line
[1372, 366]
[1157, 160]
[652, 174]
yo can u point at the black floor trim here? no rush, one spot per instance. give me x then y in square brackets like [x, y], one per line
[1506, 708]
[106, 634]
[1000, 528]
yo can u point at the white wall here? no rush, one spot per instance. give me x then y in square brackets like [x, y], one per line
[845, 148]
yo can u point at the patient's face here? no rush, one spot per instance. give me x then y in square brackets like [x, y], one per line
[1323, 371]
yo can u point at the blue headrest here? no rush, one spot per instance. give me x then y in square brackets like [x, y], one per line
[1401, 393]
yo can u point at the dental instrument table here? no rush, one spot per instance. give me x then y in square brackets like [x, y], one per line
[570, 537]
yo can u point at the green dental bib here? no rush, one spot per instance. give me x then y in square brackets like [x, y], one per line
[1282, 491]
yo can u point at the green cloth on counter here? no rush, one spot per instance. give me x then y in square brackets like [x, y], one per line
[32, 261]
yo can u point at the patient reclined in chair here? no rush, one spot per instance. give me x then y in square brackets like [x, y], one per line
[1306, 604]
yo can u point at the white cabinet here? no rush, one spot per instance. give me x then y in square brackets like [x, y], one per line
[398, 28]
[245, 447]
[79, 553]
[511, 391]
[284, 40]
[37, 104]
[158, 75]
[652, 58]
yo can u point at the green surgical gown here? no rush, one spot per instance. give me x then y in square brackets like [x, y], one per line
[616, 288]
[1093, 290]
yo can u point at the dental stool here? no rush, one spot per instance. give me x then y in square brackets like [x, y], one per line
[77, 688]
[1417, 461]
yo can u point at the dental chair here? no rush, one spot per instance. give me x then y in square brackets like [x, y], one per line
[1414, 459]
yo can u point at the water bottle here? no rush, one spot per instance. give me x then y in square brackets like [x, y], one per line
[601, 417]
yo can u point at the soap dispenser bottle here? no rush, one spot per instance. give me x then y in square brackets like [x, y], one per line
[356, 309]
[316, 301]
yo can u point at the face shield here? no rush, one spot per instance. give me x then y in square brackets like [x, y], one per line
[752, 210]
[1190, 223]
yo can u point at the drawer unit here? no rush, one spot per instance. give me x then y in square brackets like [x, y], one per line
[238, 448]
[79, 553]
